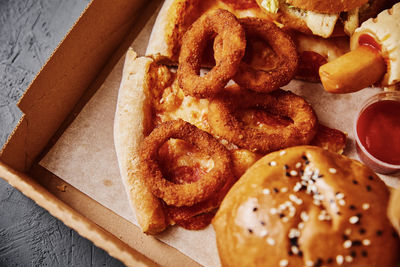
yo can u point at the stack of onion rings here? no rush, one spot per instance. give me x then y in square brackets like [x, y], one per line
[224, 124]
[186, 194]
[225, 26]
[281, 43]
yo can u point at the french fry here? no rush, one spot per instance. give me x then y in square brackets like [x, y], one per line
[353, 71]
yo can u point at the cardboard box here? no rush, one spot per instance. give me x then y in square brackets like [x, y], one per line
[74, 72]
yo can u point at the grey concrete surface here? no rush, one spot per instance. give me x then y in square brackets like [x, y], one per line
[29, 236]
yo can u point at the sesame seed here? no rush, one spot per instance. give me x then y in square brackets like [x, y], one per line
[293, 173]
[284, 189]
[339, 259]
[366, 242]
[332, 170]
[263, 233]
[304, 216]
[295, 199]
[365, 206]
[283, 152]
[348, 258]
[266, 191]
[295, 250]
[271, 241]
[347, 231]
[341, 202]
[298, 165]
[347, 244]
[293, 233]
[339, 195]
[283, 263]
[292, 212]
[354, 219]
[319, 262]
[272, 163]
[364, 253]
[285, 219]
[309, 263]
[286, 167]
[297, 187]
[317, 202]
[300, 225]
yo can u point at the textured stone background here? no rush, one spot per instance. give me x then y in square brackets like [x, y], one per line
[29, 236]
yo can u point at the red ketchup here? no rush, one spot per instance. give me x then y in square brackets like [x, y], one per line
[368, 40]
[378, 132]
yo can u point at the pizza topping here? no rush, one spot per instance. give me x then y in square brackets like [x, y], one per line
[182, 162]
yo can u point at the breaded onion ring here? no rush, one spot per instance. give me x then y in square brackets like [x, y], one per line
[223, 122]
[192, 214]
[186, 194]
[266, 80]
[219, 23]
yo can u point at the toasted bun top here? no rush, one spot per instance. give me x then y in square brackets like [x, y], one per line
[327, 6]
[305, 206]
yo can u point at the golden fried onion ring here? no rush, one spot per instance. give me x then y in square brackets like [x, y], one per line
[186, 194]
[219, 23]
[266, 80]
[268, 138]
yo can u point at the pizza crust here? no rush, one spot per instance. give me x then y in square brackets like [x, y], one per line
[129, 129]
[172, 21]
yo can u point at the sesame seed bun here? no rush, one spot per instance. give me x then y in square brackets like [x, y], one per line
[293, 13]
[305, 206]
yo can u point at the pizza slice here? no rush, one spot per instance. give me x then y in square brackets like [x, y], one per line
[152, 122]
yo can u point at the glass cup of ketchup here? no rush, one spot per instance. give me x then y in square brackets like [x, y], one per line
[377, 132]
